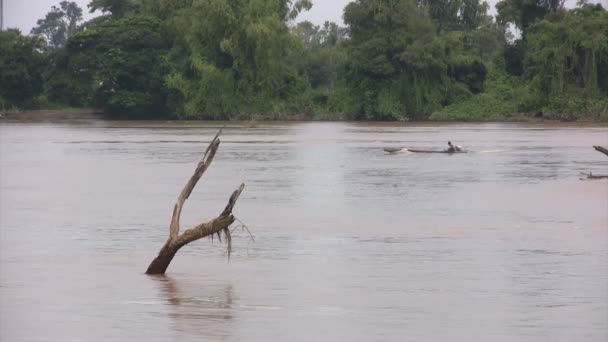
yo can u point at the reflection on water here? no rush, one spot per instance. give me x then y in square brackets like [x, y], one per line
[198, 310]
[502, 244]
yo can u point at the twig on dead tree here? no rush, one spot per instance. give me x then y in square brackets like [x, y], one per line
[244, 228]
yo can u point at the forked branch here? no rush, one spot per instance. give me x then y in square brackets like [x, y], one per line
[217, 225]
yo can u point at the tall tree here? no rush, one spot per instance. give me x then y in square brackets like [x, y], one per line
[119, 64]
[451, 15]
[117, 8]
[522, 13]
[232, 56]
[570, 54]
[395, 68]
[322, 55]
[59, 24]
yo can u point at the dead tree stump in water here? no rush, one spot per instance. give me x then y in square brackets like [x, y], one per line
[217, 225]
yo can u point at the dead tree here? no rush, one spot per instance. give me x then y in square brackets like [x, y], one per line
[215, 226]
[601, 149]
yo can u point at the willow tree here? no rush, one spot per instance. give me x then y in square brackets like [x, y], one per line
[567, 59]
[385, 69]
[231, 56]
[451, 15]
[217, 226]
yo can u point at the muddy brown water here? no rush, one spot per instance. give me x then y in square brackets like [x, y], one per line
[352, 244]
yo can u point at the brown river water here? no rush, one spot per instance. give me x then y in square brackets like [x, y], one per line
[351, 244]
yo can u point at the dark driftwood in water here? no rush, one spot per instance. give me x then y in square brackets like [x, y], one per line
[592, 176]
[392, 149]
[217, 225]
[601, 149]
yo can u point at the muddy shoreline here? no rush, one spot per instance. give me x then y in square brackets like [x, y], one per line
[93, 114]
[53, 115]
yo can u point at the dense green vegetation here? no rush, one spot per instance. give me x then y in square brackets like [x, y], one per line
[236, 59]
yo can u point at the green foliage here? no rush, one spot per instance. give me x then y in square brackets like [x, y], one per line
[235, 59]
[468, 70]
[21, 65]
[322, 57]
[394, 65]
[115, 65]
[568, 58]
[502, 98]
[63, 83]
[486, 42]
[570, 51]
[514, 58]
[559, 71]
[117, 8]
[455, 15]
[400, 68]
[523, 13]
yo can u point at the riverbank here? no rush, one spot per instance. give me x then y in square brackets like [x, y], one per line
[53, 114]
[253, 120]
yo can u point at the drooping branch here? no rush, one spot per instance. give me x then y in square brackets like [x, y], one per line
[217, 225]
[601, 149]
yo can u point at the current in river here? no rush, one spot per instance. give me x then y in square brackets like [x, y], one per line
[505, 243]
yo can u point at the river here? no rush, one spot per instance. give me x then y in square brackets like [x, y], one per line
[351, 243]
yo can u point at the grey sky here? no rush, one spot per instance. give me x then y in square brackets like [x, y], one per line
[23, 14]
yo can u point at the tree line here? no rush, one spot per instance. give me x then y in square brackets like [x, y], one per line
[234, 59]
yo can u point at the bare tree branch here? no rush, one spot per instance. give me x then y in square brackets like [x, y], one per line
[233, 199]
[217, 225]
[198, 173]
[601, 149]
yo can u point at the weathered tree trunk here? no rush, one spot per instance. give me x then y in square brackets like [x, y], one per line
[217, 225]
[601, 149]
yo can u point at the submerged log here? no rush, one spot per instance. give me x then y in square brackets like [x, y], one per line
[219, 225]
[601, 149]
[592, 176]
[392, 149]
